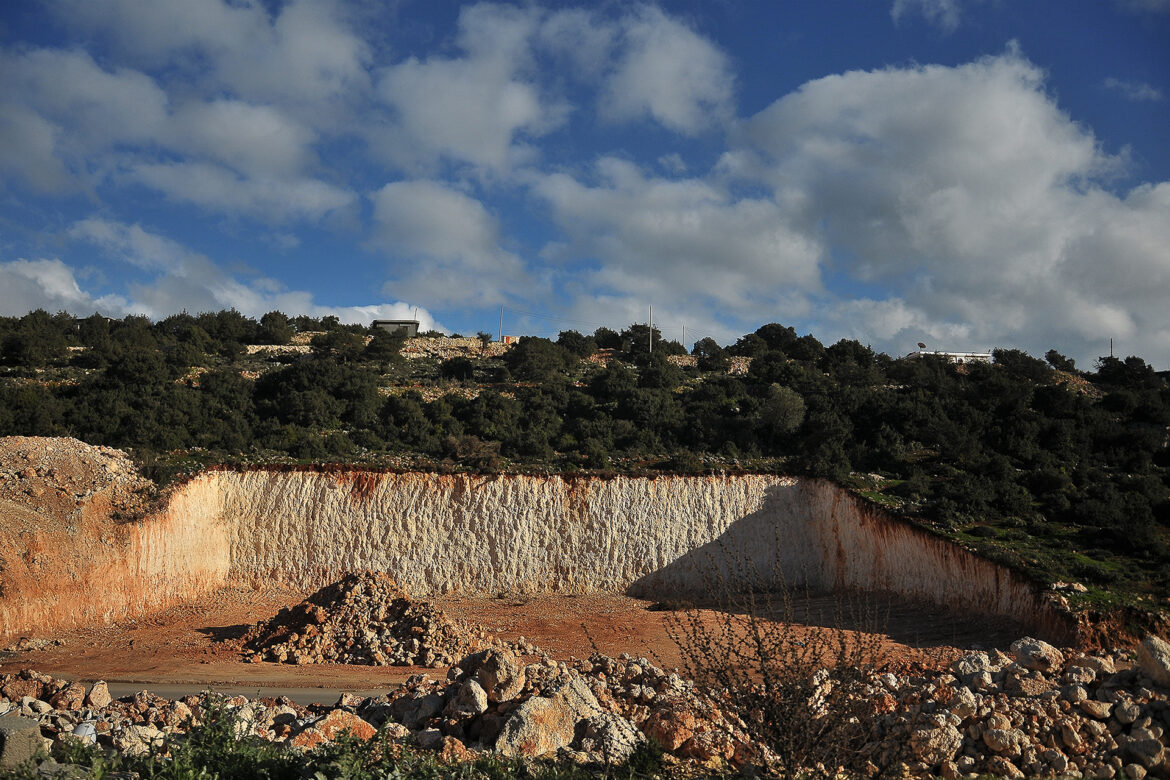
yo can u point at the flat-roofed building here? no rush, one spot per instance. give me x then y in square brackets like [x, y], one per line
[409, 326]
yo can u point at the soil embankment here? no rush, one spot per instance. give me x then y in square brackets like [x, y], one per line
[668, 537]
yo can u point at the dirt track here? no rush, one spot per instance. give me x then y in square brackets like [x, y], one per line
[199, 643]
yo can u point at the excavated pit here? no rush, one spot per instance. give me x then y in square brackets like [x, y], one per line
[661, 538]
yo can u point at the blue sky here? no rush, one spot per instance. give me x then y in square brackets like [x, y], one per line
[967, 173]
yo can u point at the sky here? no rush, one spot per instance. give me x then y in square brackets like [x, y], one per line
[970, 174]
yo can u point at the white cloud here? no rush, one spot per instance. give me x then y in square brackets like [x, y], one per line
[183, 280]
[667, 72]
[63, 113]
[450, 243]
[305, 53]
[969, 194]
[27, 143]
[26, 285]
[680, 240]
[1137, 91]
[471, 108]
[252, 139]
[944, 14]
[218, 189]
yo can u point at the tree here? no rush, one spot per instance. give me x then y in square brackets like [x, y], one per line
[385, 346]
[535, 359]
[1060, 362]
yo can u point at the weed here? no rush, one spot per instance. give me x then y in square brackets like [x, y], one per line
[803, 693]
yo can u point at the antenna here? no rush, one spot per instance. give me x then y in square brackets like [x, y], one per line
[651, 327]
[921, 345]
[501, 323]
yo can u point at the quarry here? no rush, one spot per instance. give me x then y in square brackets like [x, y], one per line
[537, 594]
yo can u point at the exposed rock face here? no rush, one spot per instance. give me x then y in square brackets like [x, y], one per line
[437, 533]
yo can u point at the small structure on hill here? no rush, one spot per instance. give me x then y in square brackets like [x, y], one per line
[410, 327]
[953, 357]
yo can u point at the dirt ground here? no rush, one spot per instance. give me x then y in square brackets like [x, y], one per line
[199, 643]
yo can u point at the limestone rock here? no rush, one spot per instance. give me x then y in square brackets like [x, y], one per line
[98, 696]
[934, 746]
[501, 675]
[70, 697]
[1037, 655]
[138, 740]
[608, 738]
[538, 727]
[470, 699]
[20, 739]
[1153, 656]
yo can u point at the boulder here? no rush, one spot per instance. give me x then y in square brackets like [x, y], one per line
[20, 739]
[671, 725]
[537, 727]
[412, 712]
[608, 738]
[338, 722]
[470, 699]
[501, 675]
[70, 697]
[934, 746]
[1037, 655]
[1153, 656]
[138, 740]
[98, 696]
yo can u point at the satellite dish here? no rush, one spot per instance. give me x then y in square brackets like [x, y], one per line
[921, 345]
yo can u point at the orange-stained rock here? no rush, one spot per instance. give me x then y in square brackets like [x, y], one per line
[69, 698]
[338, 722]
[308, 739]
[671, 725]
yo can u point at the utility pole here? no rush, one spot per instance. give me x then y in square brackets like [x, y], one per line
[651, 327]
[501, 323]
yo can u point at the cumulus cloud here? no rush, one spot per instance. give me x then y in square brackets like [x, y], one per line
[62, 112]
[970, 194]
[667, 72]
[27, 143]
[249, 138]
[183, 279]
[686, 244]
[218, 189]
[473, 108]
[449, 242]
[51, 285]
[305, 53]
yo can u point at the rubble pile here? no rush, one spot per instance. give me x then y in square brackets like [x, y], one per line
[57, 477]
[1035, 711]
[364, 619]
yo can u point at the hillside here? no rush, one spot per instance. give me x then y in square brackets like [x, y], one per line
[1058, 473]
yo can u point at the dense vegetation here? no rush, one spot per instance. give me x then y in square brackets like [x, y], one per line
[1060, 472]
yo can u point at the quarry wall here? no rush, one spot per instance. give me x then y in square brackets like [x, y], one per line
[657, 538]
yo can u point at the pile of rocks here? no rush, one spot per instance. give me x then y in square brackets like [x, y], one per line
[364, 619]
[57, 477]
[592, 710]
[1035, 711]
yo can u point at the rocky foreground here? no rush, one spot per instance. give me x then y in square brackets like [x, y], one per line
[1035, 711]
